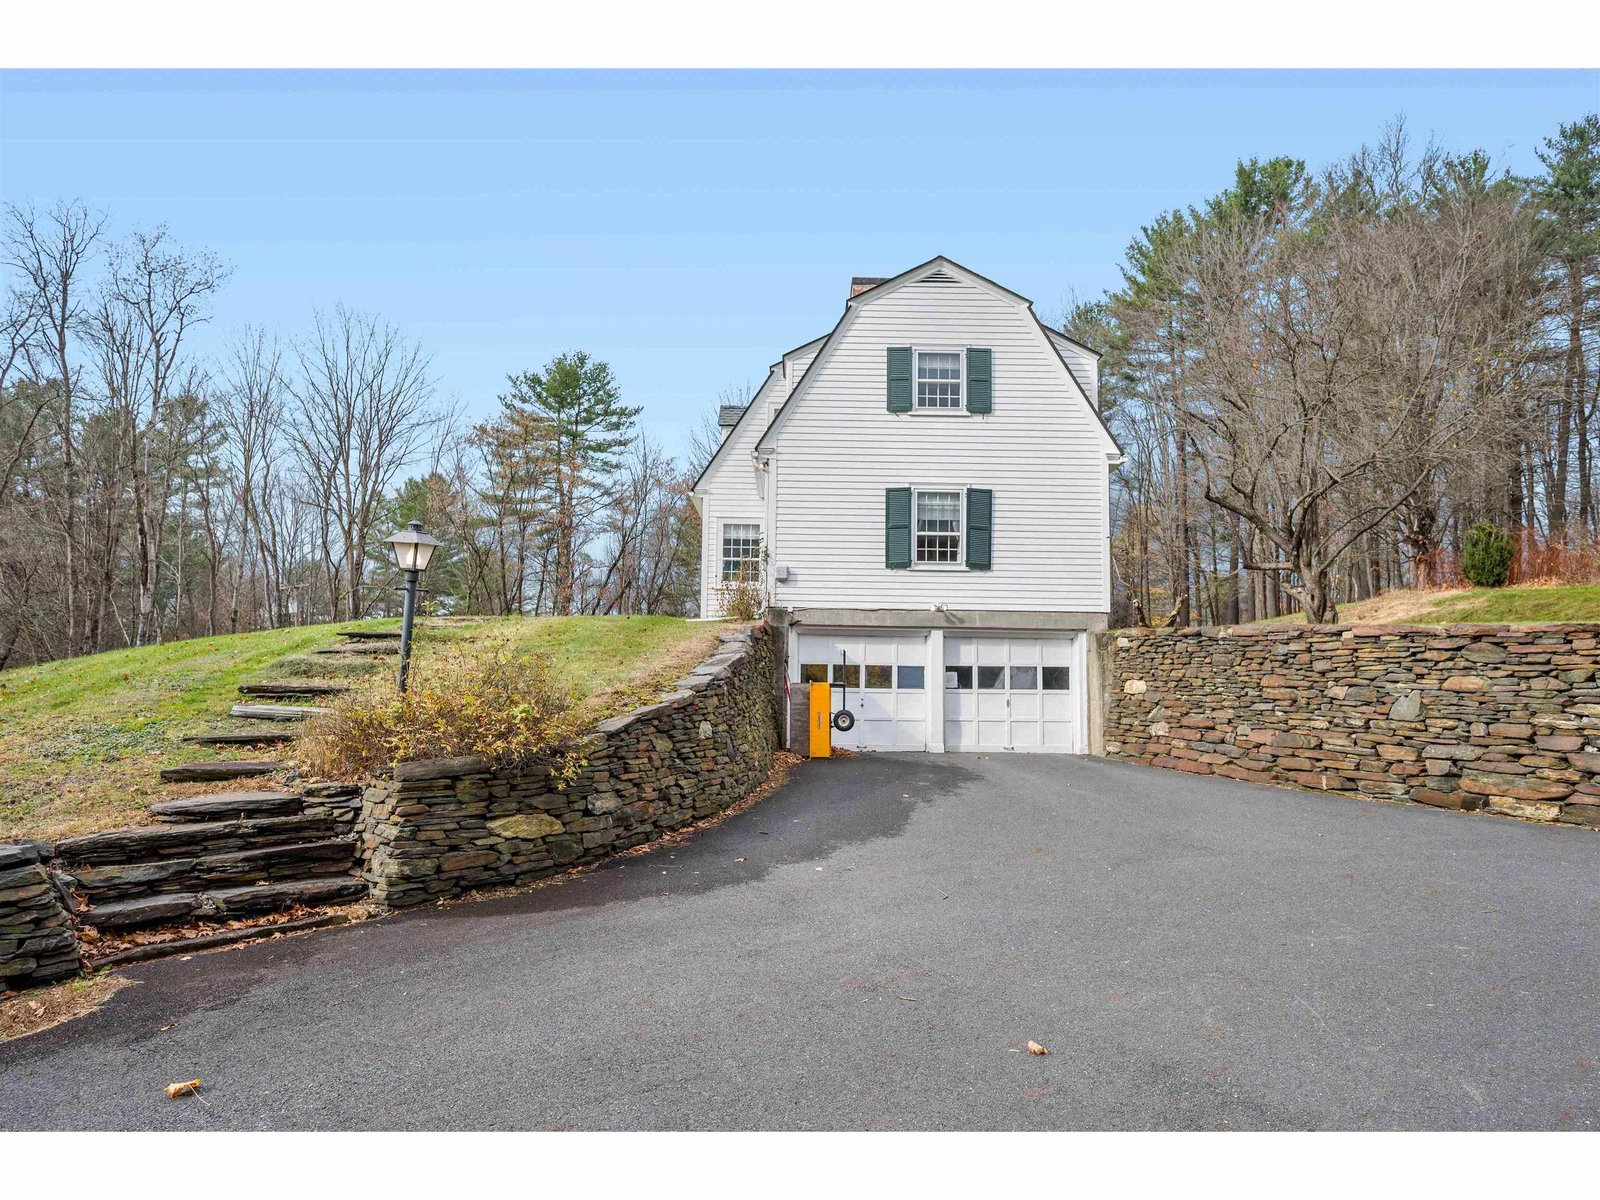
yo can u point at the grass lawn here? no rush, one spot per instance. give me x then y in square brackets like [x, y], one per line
[82, 739]
[1488, 606]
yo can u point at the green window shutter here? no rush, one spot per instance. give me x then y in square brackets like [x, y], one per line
[980, 379]
[900, 379]
[980, 528]
[897, 527]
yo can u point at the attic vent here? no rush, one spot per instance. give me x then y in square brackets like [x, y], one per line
[940, 276]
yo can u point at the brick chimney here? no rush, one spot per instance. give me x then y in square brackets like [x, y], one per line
[860, 283]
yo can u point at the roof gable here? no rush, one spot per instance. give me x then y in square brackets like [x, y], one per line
[751, 411]
[945, 272]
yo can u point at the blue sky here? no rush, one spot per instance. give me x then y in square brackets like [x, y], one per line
[686, 226]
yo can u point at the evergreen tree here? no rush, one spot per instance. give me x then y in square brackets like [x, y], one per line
[571, 419]
[1486, 555]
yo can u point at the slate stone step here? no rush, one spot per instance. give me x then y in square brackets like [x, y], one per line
[258, 737]
[292, 689]
[214, 772]
[223, 806]
[369, 635]
[275, 712]
[149, 910]
[271, 897]
[148, 843]
[223, 902]
[129, 881]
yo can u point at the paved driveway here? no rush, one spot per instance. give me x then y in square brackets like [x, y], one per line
[872, 946]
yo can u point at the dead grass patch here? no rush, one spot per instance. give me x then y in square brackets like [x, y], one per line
[40, 1008]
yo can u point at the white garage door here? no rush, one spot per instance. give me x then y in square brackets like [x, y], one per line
[1011, 693]
[885, 686]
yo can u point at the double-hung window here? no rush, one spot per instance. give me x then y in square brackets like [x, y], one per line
[741, 552]
[939, 380]
[938, 516]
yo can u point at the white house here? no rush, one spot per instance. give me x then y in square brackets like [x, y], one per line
[923, 494]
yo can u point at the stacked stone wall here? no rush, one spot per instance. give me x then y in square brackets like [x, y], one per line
[1459, 716]
[437, 829]
[37, 944]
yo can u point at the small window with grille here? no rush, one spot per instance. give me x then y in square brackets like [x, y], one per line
[939, 379]
[938, 527]
[741, 552]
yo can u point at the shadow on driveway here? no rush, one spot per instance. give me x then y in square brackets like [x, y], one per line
[873, 946]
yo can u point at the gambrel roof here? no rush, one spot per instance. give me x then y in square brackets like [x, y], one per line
[934, 268]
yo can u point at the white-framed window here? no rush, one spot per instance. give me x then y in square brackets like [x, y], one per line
[741, 551]
[939, 380]
[937, 515]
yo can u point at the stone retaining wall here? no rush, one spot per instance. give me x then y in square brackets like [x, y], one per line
[37, 944]
[437, 829]
[1460, 716]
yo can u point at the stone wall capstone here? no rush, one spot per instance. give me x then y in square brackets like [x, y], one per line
[1458, 716]
[37, 943]
[439, 828]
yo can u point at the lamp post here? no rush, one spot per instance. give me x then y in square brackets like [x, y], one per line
[413, 550]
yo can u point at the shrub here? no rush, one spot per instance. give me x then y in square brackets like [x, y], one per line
[483, 700]
[742, 599]
[1486, 555]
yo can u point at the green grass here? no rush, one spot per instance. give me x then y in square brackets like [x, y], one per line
[1527, 605]
[82, 739]
[1519, 605]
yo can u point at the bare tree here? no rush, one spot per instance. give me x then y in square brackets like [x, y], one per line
[363, 394]
[253, 400]
[163, 291]
[51, 251]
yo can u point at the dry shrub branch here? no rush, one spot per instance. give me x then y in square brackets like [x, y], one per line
[489, 700]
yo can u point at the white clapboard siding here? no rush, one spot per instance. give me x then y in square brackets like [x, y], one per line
[1041, 451]
[796, 363]
[1083, 365]
[731, 488]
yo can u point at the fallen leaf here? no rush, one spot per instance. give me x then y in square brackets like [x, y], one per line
[1035, 1048]
[191, 1087]
[738, 860]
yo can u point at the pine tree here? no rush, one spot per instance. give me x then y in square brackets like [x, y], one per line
[571, 418]
[1486, 555]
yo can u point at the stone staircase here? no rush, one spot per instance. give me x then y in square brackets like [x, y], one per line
[233, 857]
[274, 707]
[224, 856]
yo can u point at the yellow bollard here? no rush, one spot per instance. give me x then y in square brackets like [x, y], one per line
[821, 721]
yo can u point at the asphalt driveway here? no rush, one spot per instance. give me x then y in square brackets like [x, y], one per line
[874, 946]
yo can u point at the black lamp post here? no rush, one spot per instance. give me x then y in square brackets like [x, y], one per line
[413, 550]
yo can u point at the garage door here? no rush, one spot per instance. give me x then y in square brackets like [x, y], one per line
[885, 686]
[1010, 693]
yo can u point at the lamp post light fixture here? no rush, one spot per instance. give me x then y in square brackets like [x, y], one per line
[413, 550]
